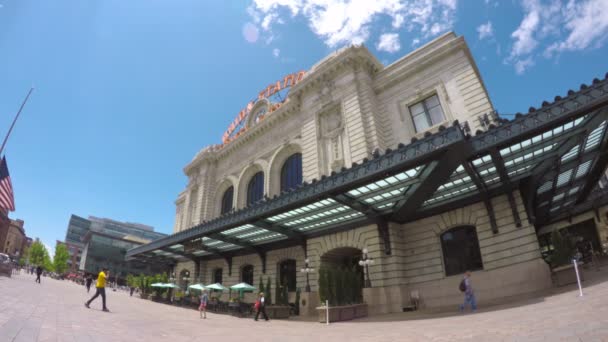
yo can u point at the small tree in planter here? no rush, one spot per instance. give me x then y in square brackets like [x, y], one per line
[561, 259]
[297, 309]
[342, 288]
[261, 288]
[267, 293]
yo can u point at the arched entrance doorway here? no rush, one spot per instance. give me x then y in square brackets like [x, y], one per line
[341, 278]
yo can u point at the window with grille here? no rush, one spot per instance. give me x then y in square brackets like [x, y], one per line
[255, 188]
[427, 113]
[461, 250]
[227, 200]
[247, 274]
[217, 275]
[291, 172]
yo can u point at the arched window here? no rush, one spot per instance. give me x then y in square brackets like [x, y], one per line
[287, 274]
[255, 188]
[461, 250]
[247, 274]
[291, 172]
[217, 275]
[227, 200]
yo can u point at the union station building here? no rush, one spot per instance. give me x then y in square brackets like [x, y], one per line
[407, 162]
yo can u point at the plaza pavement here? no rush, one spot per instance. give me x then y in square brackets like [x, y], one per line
[54, 311]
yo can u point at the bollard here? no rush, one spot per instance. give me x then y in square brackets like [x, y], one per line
[578, 278]
[327, 312]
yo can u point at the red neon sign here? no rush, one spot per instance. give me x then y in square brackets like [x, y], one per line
[239, 125]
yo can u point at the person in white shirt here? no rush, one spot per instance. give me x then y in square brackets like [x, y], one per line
[260, 307]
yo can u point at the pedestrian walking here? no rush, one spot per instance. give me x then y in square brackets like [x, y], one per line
[88, 281]
[132, 289]
[469, 295]
[260, 306]
[202, 308]
[100, 289]
[38, 274]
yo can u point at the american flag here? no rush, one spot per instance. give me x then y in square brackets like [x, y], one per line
[7, 201]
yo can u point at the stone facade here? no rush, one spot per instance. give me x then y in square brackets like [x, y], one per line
[347, 106]
[15, 240]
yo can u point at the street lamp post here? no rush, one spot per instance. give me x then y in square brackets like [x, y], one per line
[307, 270]
[366, 261]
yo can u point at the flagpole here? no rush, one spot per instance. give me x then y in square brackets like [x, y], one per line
[15, 120]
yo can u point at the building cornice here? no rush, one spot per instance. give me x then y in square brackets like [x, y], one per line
[319, 73]
[419, 59]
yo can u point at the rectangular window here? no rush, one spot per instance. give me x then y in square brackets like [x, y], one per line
[427, 113]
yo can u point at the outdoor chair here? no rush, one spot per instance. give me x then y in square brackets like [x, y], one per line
[414, 303]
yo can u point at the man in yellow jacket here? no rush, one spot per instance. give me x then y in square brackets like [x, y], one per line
[101, 289]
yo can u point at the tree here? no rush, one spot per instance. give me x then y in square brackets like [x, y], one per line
[47, 264]
[267, 295]
[37, 253]
[60, 260]
[563, 250]
[25, 256]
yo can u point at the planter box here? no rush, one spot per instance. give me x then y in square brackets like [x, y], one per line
[565, 275]
[278, 311]
[342, 313]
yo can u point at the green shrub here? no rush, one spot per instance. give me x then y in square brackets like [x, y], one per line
[323, 288]
[297, 309]
[563, 249]
[261, 288]
[267, 293]
[340, 286]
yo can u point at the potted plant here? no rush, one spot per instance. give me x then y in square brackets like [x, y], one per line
[562, 268]
[280, 310]
[342, 288]
[143, 283]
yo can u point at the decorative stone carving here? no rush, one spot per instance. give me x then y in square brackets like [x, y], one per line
[325, 92]
[331, 146]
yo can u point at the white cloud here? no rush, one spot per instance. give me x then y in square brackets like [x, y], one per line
[389, 42]
[339, 22]
[586, 24]
[523, 64]
[50, 249]
[524, 35]
[556, 26]
[276, 52]
[415, 42]
[251, 32]
[485, 30]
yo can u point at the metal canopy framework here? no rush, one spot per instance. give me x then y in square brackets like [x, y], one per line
[554, 154]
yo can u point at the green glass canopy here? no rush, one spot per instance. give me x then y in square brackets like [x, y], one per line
[554, 155]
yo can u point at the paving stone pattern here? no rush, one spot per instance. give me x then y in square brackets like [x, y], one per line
[54, 311]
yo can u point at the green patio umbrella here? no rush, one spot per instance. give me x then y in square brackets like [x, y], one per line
[199, 287]
[171, 286]
[216, 286]
[157, 285]
[242, 287]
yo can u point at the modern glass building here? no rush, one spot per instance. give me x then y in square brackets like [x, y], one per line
[104, 243]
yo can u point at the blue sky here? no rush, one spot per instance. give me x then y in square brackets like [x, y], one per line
[128, 91]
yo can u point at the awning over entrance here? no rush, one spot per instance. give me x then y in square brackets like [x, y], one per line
[554, 154]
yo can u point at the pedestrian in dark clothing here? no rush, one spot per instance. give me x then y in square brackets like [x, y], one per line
[88, 282]
[38, 274]
[101, 289]
[260, 307]
[132, 289]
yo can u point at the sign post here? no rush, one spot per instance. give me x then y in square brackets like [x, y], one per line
[578, 278]
[327, 312]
